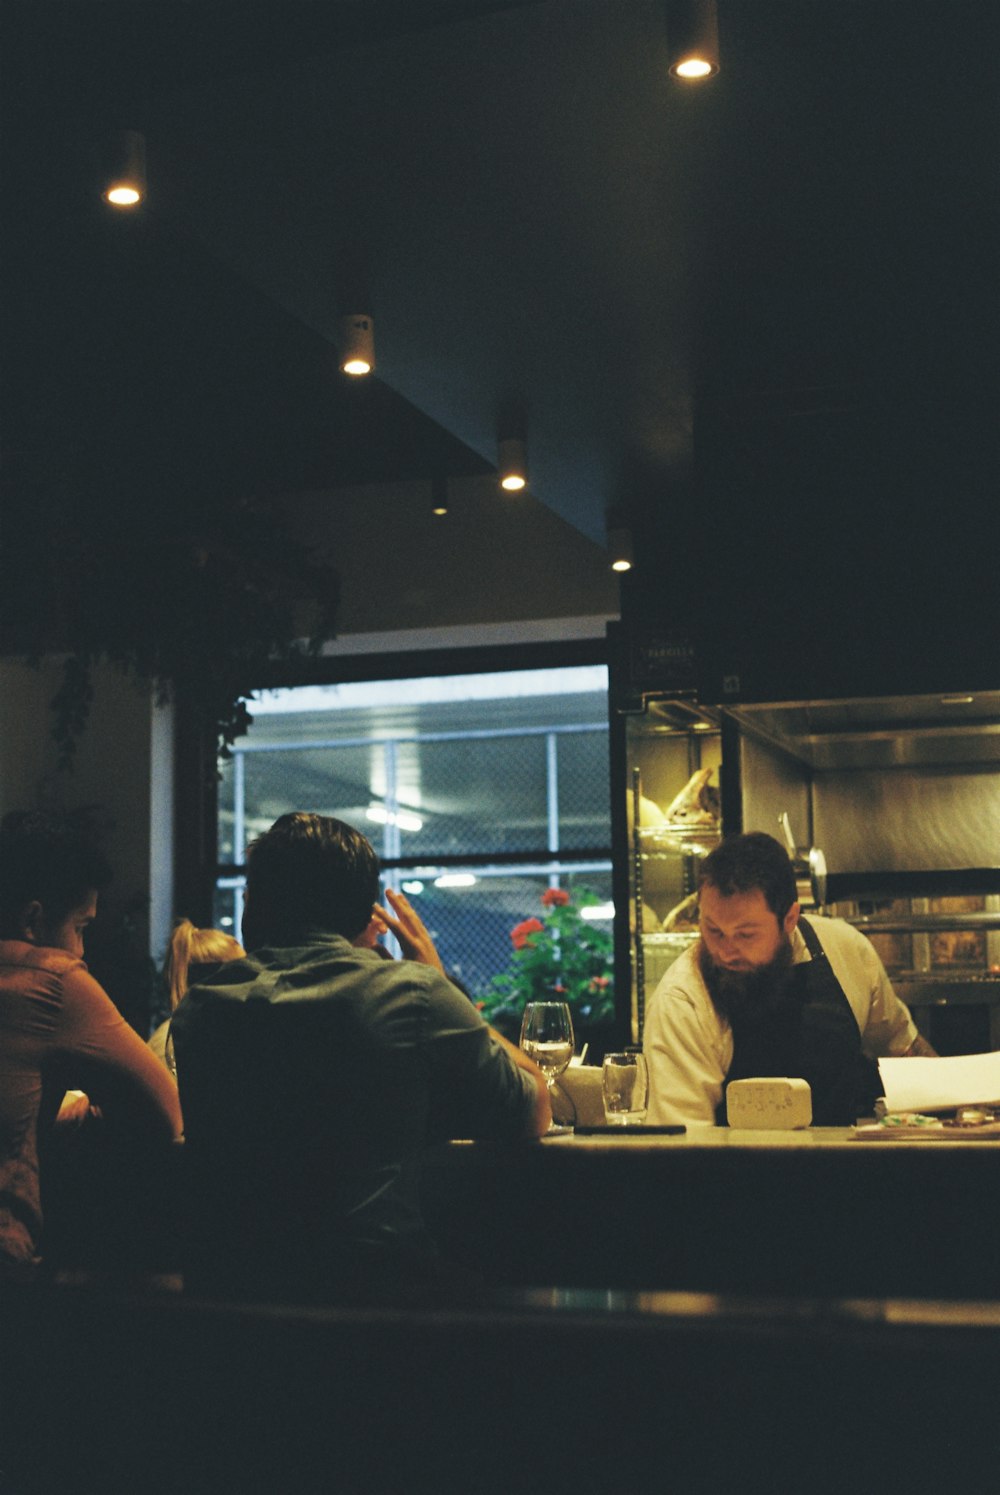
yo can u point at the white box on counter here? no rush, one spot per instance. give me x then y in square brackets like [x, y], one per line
[769, 1104]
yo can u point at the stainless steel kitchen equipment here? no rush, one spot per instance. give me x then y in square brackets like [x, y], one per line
[890, 808]
[903, 795]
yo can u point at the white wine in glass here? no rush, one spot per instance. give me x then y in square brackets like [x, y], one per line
[547, 1037]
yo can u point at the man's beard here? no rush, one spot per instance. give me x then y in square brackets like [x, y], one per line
[740, 994]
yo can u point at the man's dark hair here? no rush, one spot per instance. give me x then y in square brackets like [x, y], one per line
[744, 863]
[307, 873]
[50, 858]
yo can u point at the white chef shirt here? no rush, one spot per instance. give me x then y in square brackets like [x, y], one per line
[689, 1047]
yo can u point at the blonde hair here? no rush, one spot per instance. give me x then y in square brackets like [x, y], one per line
[192, 946]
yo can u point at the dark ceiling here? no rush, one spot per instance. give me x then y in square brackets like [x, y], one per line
[787, 274]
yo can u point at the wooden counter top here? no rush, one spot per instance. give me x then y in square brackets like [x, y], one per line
[803, 1139]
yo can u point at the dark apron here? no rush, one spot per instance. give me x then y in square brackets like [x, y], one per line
[808, 1033]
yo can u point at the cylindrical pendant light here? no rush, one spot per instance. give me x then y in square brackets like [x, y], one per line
[620, 549]
[439, 496]
[512, 464]
[125, 179]
[692, 39]
[357, 344]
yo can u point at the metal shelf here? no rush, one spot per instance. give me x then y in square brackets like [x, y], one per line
[921, 922]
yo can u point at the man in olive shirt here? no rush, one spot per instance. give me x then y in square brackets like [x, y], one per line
[314, 1072]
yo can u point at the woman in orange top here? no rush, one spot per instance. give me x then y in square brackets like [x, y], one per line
[59, 1029]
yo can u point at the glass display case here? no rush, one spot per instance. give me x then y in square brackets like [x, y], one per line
[889, 808]
[673, 761]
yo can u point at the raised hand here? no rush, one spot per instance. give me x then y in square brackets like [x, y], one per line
[409, 929]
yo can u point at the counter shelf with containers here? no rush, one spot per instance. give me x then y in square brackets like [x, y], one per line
[943, 958]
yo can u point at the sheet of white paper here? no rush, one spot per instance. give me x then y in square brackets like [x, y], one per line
[940, 1084]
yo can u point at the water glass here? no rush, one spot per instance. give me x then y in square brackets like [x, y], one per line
[625, 1084]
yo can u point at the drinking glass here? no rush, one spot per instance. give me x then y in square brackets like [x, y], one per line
[625, 1085]
[547, 1037]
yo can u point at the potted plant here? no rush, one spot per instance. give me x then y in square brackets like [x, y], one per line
[560, 957]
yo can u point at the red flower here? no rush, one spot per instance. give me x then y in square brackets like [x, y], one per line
[553, 897]
[519, 934]
[598, 983]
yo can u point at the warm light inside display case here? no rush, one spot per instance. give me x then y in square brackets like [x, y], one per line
[674, 819]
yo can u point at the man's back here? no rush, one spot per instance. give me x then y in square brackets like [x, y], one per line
[311, 1079]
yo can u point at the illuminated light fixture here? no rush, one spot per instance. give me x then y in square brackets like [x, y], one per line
[455, 880]
[357, 344]
[405, 819]
[413, 888]
[620, 549]
[692, 40]
[125, 181]
[598, 911]
[512, 464]
[439, 497]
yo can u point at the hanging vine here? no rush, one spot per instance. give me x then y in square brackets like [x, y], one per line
[210, 611]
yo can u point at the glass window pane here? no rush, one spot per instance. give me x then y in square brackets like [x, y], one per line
[435, 767]
[466, 769]
[227, 907]
[584, 789]
[225, 830]
[329, 780]
[475, 796]
[471, 925]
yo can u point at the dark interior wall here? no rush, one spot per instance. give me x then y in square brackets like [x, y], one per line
[838, 533]
[864, 563]
[493, 559]
[816, 246]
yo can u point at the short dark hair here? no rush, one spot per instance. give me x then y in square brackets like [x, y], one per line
[308, 872]
[741, 864]
[50, 858]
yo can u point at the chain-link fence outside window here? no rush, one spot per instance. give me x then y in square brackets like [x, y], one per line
[475, 808]
[470, 924]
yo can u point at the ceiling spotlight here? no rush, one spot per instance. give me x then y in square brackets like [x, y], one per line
[692, 39]
[439, 496]
[125, 179]
[620, 549]
[512, 464]
[357, 344]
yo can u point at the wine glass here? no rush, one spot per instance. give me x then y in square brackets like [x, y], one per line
[547, 1037]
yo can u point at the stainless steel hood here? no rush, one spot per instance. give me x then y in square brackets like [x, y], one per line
[888, 732]
[902, 793]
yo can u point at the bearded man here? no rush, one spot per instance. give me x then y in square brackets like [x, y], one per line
[767, 992]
